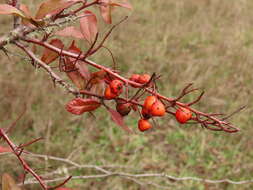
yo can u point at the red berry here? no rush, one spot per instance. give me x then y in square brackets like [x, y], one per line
[145, 113]
[123, 108]
[134, 77]
[183, 115]
[144, 125]
[116, 86]
[157, 109]
[144, 78]
[149, 101]
[109, 94]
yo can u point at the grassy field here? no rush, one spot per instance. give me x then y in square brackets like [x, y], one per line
[207, 42]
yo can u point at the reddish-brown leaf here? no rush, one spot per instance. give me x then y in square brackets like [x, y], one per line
[83, 69]
[5, 149]
[76, 78]
[29, 20]
[25, 10]
[52, 7]
[70, 31]
[97, 88]
[78, 106]
[80, 65]
[77, 72]
[121, 3]
[6, 9]
[73, 48]
[48, 55]
[8, 183]
[88, 26]
[118, 119]
[106, 8]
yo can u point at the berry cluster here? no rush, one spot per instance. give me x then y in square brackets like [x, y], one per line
[152, 107]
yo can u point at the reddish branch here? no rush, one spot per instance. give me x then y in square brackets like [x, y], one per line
[212, 121]
[207, 120]
[17, 150]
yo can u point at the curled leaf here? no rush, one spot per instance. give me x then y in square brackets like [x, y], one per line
[53, 7]
[118, 119]
[78, 106]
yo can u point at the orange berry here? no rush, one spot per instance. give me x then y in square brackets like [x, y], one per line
[144, 78]
[145, 113]
[149, 101]
[109, 94]
[116, 86]
[183, 115]
[123, 108]
[144, 125]
[134, 77]
[157, 109]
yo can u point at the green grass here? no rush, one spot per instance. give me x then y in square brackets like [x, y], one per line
[201, 41]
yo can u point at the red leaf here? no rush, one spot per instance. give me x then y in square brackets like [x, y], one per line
[76, 78]
[26, 10]
[6, 9]
[118, 119]
[73, 48]
[83, 69]
[5, 149]
[88, 26]
[52, 7]
[78, 106]
[121, 3]
[70, 31]
[48, 55]
[29, 20]
[106, 8]
[80, 71]
[80, 65]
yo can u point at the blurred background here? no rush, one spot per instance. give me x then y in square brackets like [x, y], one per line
[207, 42]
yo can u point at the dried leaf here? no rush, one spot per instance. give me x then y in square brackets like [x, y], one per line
[48, 55]
[70, 31]
[107, 5]
[73, 48]
[52, 7]
[98, 88]
[118, 119]
[78, 106]
[73, 68]
[6, 9]
[8, 183]
[105, 10]
[88, 26]
[25, 10]
[121, 3]
[83, 69]
[76, 78]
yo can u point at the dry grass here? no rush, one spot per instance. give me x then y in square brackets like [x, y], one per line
[208, 42]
